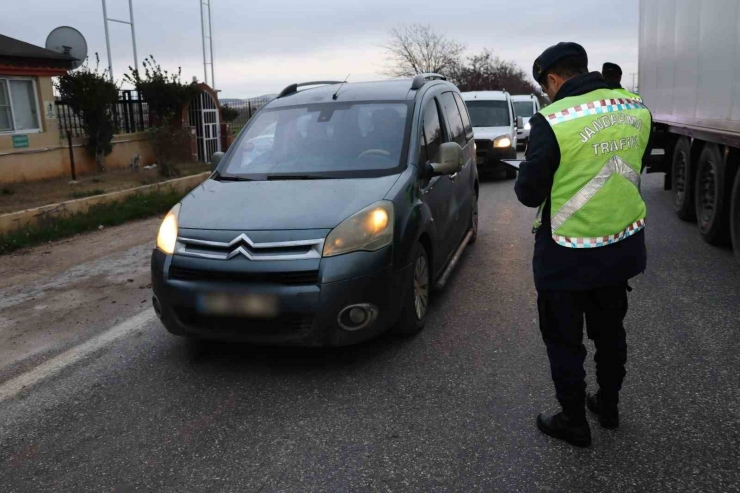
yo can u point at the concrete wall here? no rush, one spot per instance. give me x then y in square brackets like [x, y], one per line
[47, 156]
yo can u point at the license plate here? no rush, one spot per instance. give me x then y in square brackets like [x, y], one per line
[249, 305]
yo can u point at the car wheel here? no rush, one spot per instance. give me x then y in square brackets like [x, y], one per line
[416, 297]
[735, 216]
[510, 174]
[473, 226]
[710, 193]
[681, 183]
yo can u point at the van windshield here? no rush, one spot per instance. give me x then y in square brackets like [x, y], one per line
[327, 140]
[525, 109]
[489, 113]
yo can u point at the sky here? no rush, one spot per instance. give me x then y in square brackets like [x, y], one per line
[260, 46]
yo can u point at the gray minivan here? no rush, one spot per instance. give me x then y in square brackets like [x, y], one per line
[329, 220]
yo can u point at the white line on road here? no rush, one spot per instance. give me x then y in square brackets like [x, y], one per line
[58, 363]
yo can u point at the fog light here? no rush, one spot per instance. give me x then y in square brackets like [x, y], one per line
[356, 317]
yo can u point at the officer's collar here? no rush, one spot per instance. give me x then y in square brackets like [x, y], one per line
[581, 84]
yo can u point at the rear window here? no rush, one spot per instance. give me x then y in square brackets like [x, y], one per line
[525, 109]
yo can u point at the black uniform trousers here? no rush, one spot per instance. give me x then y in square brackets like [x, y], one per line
[561, 323]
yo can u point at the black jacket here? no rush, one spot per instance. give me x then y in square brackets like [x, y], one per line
[556, 267]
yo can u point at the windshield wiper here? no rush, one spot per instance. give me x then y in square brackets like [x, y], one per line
[296, 177]
[220, 177]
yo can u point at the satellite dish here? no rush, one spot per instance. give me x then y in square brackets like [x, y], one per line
[68, 41]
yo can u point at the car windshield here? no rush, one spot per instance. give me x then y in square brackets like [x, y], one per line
[489, 113]
[327, 140]
[525, 109]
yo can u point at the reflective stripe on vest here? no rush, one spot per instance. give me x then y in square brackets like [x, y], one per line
[595, 197]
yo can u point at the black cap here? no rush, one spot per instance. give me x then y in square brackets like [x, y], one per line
[555, 53]
[611, 67]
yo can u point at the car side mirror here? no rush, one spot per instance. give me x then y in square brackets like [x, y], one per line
[451, 157]
[519, 122]
[215, 159]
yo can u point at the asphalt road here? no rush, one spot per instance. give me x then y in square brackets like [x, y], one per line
[451, 410]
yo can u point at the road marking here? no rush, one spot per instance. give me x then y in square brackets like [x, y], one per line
[58, 363]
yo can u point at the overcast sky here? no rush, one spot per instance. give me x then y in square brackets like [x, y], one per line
[262, 45]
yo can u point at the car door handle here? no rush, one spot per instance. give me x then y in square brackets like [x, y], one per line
[453, 177]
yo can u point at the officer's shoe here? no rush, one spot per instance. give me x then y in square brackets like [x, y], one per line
[608, 414]
[573, 431]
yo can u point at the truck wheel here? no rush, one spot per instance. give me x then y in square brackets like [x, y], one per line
[416, 297]
[735, 216]
[710, 196]
[683, 198]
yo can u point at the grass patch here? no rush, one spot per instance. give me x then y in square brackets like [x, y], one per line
[135, 206]
[87, 193]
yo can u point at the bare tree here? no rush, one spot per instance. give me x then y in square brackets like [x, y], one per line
[486, 72]
[418, 49]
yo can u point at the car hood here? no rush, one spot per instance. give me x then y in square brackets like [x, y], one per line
[491, 132]
[279, 205]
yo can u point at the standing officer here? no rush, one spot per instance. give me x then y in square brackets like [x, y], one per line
[582, 170]
[612, 74]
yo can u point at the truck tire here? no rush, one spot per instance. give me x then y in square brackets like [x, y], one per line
[709, 187]
[735, 216]
[416, 296]
[681, 183]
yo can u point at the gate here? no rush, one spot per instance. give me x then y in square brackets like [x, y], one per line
[204, 117]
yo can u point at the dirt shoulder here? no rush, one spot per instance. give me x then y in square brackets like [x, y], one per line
[26, 195]
[57, 295]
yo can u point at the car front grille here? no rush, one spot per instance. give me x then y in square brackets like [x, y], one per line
[284, 325]
[285, 278]
[243, 245]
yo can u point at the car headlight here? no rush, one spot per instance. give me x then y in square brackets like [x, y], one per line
[502, 141]
[167, 237]
[369, 230]
[527, 126]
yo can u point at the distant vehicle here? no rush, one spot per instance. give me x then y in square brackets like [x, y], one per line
[495, 126]
[328, 221]
[526, 107]
[689, 83]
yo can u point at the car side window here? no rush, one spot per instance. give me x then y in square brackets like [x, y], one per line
[432, 135]
[468, 127]
[452, 113]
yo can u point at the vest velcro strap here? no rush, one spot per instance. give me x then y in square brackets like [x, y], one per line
[599, 241]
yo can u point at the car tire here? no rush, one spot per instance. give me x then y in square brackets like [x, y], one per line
[415, 302]
[735, 216]
[709, 187]
[473, 224]
[681, 182]
[510, 174]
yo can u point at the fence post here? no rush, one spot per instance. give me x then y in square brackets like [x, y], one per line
[249, 106]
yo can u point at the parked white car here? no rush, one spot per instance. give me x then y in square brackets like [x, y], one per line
[526, 107]
[495, 128]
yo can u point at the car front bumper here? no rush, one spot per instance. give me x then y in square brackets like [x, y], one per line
[489, 158]
[308, 308]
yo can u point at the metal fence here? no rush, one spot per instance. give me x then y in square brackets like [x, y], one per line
[130, 114]
[246, 109]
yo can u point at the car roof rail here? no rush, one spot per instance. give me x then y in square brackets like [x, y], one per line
[293, 88]
[421, 79]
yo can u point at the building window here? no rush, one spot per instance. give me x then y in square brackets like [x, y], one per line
[19, 112]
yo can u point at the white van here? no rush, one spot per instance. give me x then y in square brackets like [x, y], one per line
[495, 128]
[526, 107]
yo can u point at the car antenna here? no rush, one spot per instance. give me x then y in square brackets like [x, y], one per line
[336, 94]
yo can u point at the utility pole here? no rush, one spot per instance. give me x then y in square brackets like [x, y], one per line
[207, 34]
[130, 22]
[634, 88]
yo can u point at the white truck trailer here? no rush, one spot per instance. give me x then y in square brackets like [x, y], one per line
[689, 78]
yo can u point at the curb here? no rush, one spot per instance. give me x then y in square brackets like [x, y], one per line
[30, 217]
